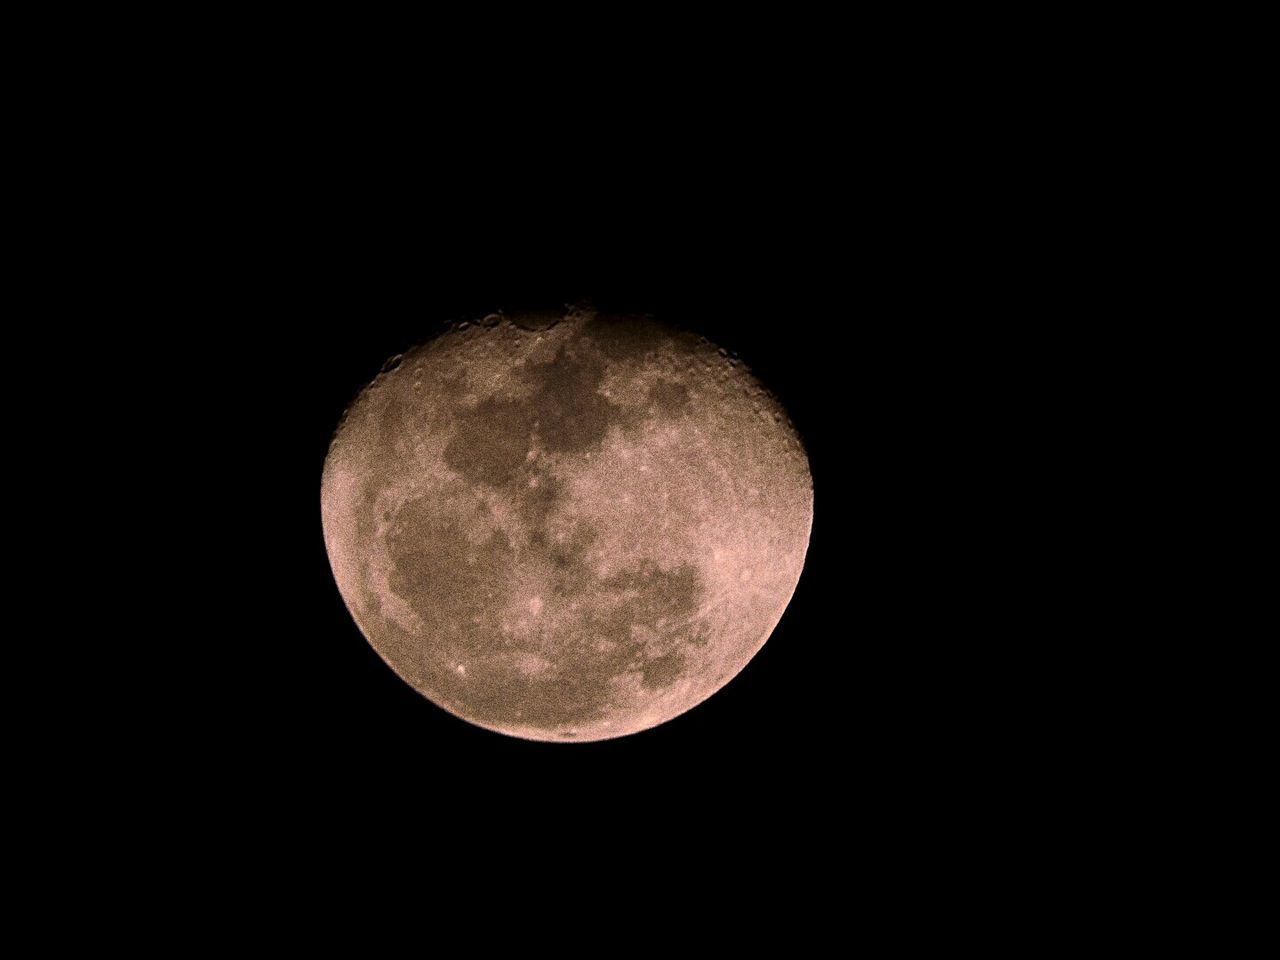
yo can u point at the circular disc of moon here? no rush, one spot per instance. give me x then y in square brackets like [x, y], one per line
[566, 527]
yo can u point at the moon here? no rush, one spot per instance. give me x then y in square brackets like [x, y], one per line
[567, 526]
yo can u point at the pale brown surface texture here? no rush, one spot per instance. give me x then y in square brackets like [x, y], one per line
[568, 527]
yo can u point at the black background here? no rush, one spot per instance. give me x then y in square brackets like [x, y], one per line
[911, 262]
[888, 250]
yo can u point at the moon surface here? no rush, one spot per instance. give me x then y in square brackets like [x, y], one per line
[566, 526]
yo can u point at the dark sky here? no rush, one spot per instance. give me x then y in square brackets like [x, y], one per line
[902, 276]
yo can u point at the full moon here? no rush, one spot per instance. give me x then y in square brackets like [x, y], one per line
[566, 526]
